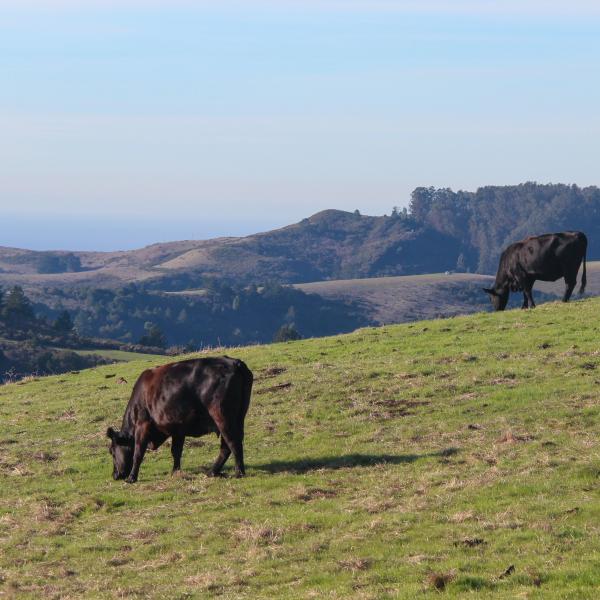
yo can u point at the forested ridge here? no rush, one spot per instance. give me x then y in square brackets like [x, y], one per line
[486, 221]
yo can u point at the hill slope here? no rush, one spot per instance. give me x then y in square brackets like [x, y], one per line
[380, 464]
[413, 297]
[442, 230]
[330, 244]
[410, 298]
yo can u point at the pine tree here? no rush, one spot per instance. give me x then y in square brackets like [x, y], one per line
[17, 306]
[287, 333]
[64, 322]
[153, 336]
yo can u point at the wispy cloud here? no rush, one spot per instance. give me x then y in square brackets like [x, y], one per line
[540, 8]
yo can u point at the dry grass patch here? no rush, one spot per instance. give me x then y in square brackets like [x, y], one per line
[274, 388]
[356, 564]
[45, 457]
[510, 437]
[462, 517]
[305, 494]
[258, 534]
[68, 415]
[269, 372]
[47, 510]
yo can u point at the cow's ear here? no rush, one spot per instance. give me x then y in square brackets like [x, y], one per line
[118, 438]
[490, 291]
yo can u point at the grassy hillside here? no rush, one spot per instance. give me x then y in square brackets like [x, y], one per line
[413, 297]
[407, 298]
[388, 463]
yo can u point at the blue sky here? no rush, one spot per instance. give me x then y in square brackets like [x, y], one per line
[125, 123]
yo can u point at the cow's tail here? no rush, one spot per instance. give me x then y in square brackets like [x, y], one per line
[584, 274]
[247, 381]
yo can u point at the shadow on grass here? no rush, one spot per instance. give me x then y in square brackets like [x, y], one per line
[346, 461]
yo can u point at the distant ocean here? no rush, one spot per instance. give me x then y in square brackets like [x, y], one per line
[118, 233]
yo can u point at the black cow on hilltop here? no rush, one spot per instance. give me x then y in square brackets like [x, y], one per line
[546, 257]
[186, 398]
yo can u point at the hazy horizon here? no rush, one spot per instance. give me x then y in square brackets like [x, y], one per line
[200, 118]
[108, 234]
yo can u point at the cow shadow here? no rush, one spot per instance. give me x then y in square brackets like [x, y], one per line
[346, 461]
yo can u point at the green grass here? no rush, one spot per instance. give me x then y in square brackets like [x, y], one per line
[398, 458]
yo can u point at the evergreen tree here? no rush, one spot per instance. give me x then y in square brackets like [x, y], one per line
[64, 323]
[287, 333]
[17, 306]
[153, 336]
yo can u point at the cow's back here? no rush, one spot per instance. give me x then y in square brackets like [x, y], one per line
[181, 396]
[546, 257]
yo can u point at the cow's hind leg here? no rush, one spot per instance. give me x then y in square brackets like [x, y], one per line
[177, 450]
[235, 443]
[223, 456]
[525, 301]
[142, 437]
[570, 286]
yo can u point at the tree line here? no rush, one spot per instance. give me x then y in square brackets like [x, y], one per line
[484, 222]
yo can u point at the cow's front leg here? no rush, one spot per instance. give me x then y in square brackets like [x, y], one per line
[525, 301]
[529, 293]
[142, 437]
[177, 450]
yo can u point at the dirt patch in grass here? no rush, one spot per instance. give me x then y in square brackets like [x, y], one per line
[275, 388]
[439, 581]
[45, 457]
[270, 372]
[510, 437]
[194, 443]
[386, 408]
[308, 494]
[355, 564]
[118, 561]
[508, 572]
[47, 510]
[470, 542]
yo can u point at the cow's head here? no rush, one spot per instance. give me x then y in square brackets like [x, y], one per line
[498, 297]
[121, 449]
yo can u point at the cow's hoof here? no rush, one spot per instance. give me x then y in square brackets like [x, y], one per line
[131, 479]
[239, 475]
[213, 474]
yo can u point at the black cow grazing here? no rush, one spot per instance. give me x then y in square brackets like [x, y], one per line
[546, 257]
[187, 398]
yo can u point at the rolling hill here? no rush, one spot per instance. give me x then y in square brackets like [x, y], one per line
[414, 297]
[442, 231]
[331, 244]
[411, 298]
[458, 454]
